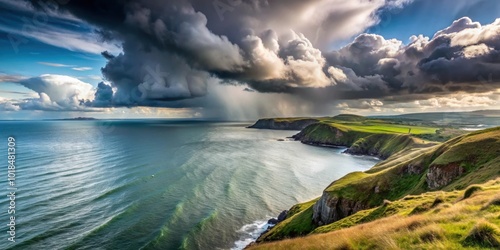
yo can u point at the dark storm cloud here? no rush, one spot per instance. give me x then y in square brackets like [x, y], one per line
[167, 49]
[103, 94]
[462, 57]
[171, 50]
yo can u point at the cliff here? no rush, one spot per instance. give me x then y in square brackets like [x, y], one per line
[458, 219]
[359, 142]
[284, 123]
[415, 169]
[328, 135]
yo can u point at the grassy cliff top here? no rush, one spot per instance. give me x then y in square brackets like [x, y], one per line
[468, 219]
[366, 125]
[477, 153]
[341, 117]
[362, 124]
[290, 119]
[377, 127]
[469, 159]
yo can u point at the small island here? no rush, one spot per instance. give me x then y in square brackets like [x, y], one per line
[74, 119]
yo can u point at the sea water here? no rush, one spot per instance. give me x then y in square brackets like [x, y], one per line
[156, 184]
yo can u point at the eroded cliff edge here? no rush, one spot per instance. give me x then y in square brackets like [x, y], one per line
[283, 123]
[455, 164]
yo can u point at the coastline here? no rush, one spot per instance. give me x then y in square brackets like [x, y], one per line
[252, 232]
[354, 143]
[409, 166]
[266, 225]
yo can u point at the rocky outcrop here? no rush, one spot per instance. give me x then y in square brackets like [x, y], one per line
[371, 151]
[330, 208]
[413, 169]
[281, 217]
[440, 176]
[295, 124]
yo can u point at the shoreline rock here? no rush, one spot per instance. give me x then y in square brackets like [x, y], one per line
[281, 217]
[272, 222]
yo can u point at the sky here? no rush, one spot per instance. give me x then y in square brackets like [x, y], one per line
[246, 59]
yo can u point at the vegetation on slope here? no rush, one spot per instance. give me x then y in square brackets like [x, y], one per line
[298, 222]
[432, 220]
[385, 145]
[329, 134]
[376, 127]
[406, 172]
[358, 124]
[284, 123]
[366, 138]
[465, 160]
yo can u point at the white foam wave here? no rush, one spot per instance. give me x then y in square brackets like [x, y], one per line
[250, 233]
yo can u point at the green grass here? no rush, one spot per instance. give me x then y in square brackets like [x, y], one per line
[405, 173]
[382, 127]
[471, 190]
[451, 223]
[409, 205]
[322, 133]
[355, 123]
[292, 119]
[484, 234]
[364, 135]
[385, 145]
[297, 223]
[394, 180]
[478, 147]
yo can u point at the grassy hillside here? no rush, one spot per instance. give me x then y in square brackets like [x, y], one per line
[385, 145]
[298, 222]
[328, 129]
[358, 126]
[469, 159]
[473, 158]
[488, 117]
[367, 137]
[468, 219]
[297, 123]
[373, 126]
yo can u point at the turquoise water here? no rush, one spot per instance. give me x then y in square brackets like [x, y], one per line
[157, 184]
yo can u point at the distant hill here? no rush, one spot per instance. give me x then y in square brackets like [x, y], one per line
[284, 123]
[487, 117]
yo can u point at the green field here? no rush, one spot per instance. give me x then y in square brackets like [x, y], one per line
[354, 123]
[382, 127]
[368, 125]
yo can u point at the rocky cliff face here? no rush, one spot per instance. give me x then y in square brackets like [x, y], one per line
[413, 169]
[283, 124]
[332, 208]
[440, 176]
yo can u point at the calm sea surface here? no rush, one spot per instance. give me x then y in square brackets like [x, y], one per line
[150, 184]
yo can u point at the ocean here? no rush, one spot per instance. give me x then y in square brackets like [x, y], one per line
[156, 184]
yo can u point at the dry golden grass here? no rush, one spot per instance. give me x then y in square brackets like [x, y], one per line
[445, 226]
